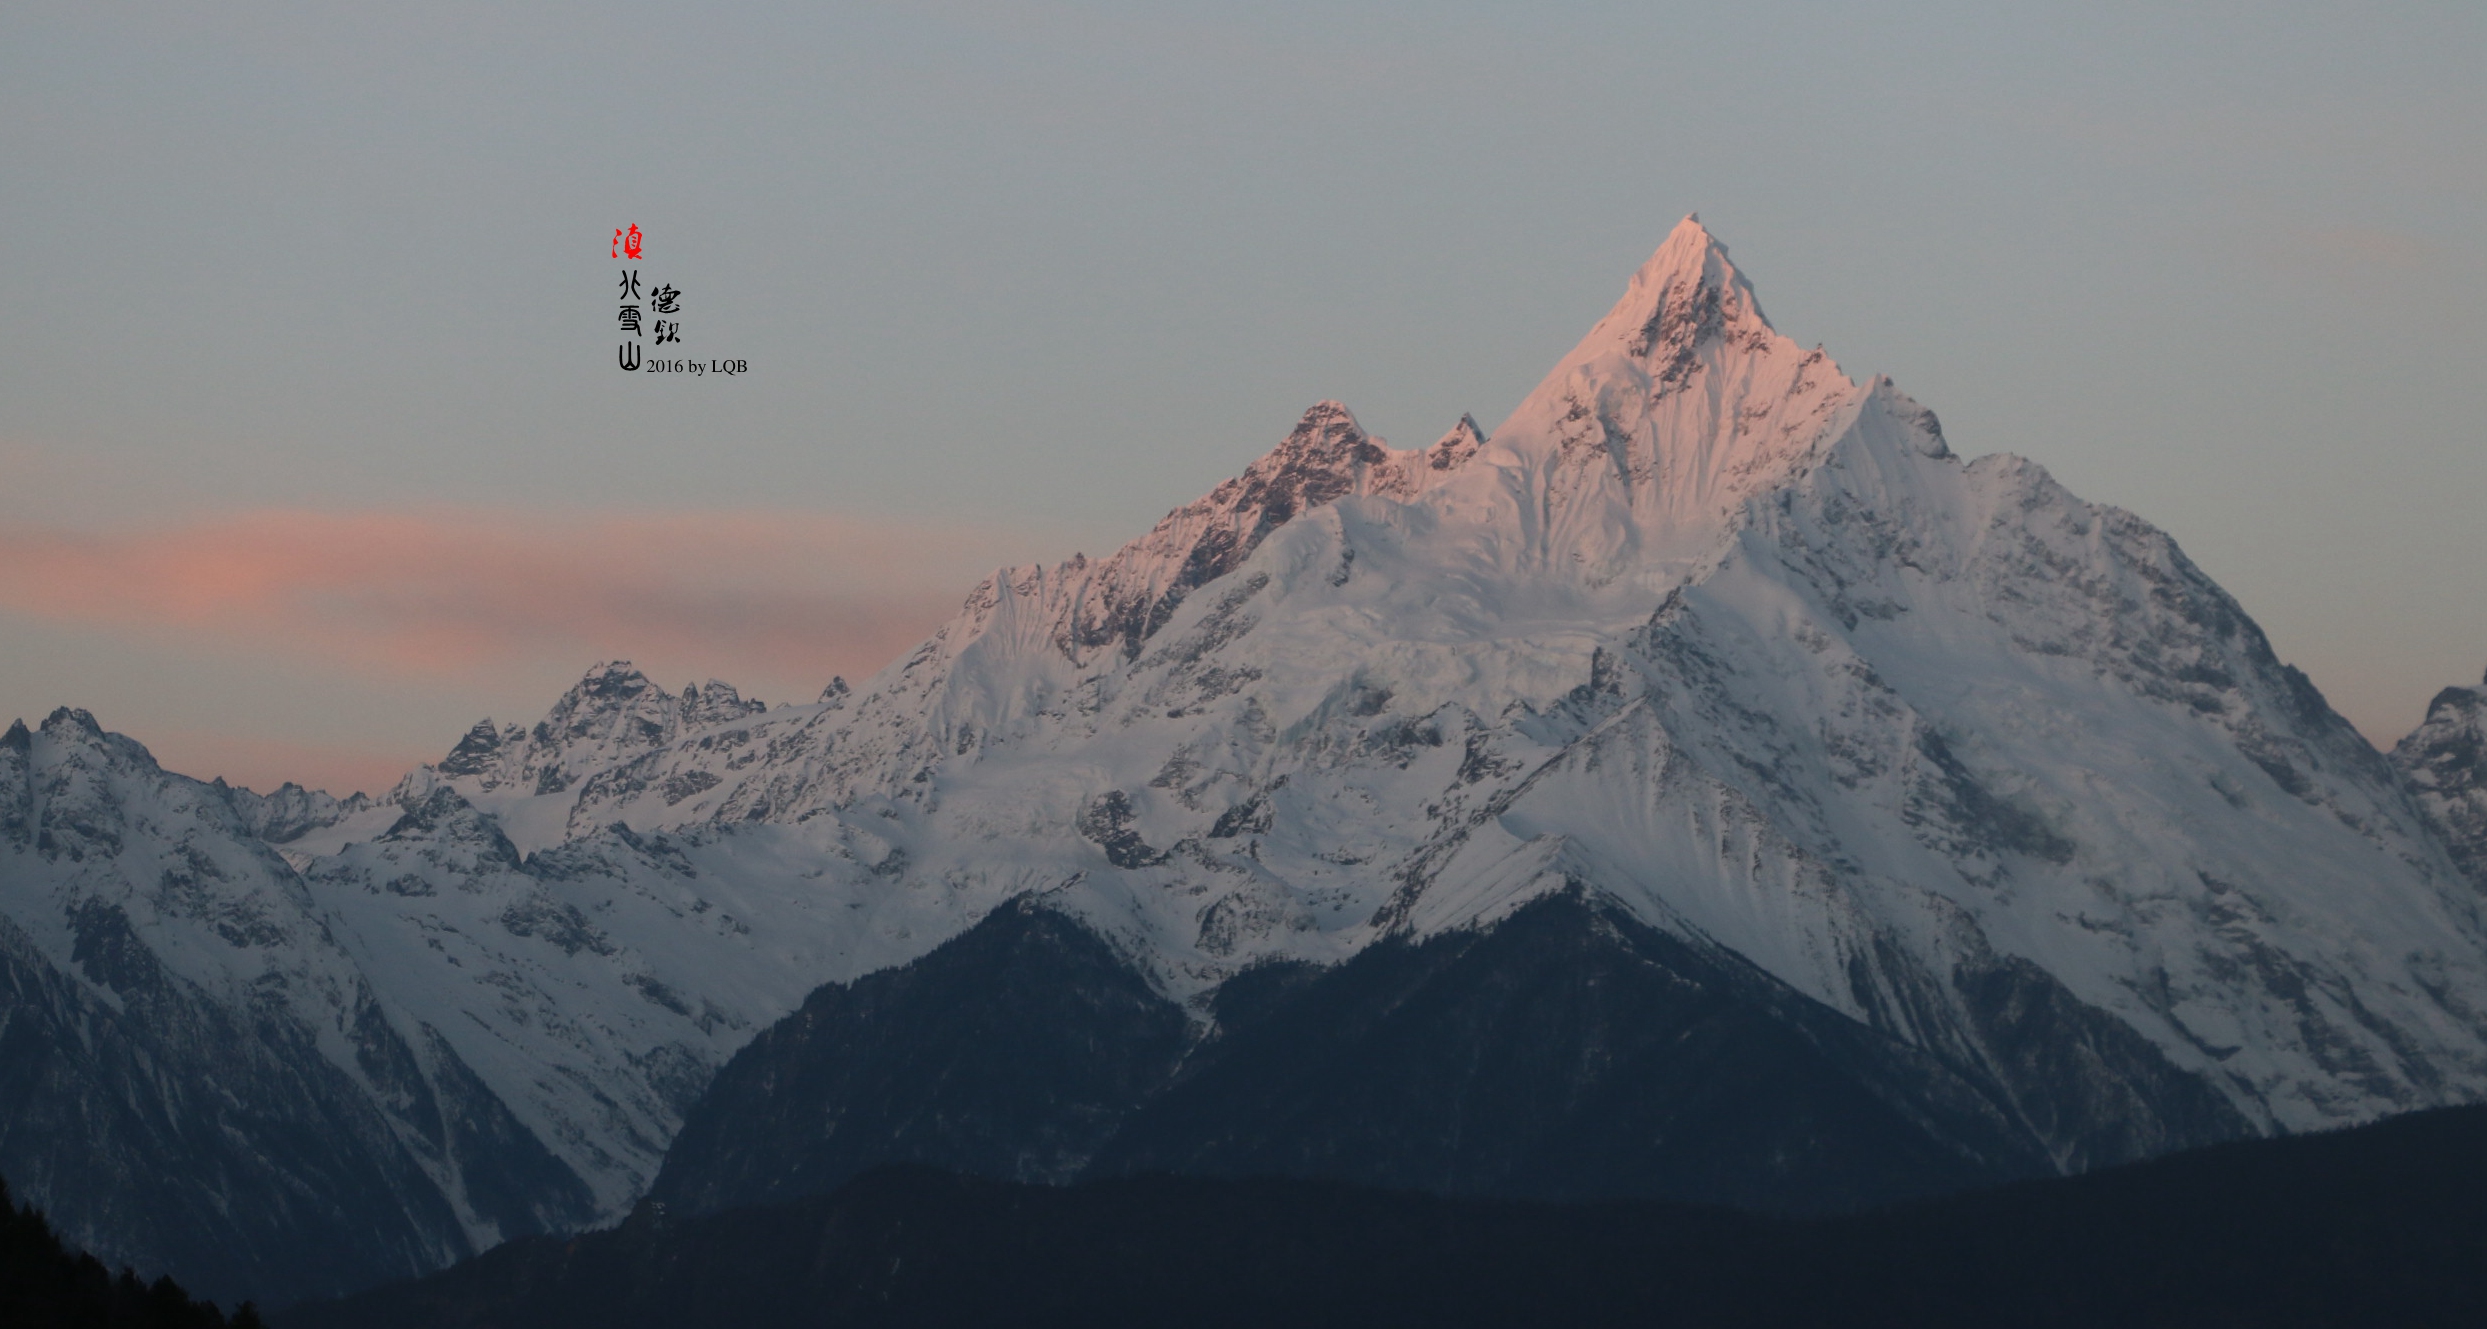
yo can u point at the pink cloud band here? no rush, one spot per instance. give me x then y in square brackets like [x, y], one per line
[453, 592]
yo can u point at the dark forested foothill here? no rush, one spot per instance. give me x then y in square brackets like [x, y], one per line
[1569, 1053]
[2381, 1225]
[44, 1285]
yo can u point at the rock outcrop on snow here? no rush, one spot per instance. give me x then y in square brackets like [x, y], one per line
[2444, 761]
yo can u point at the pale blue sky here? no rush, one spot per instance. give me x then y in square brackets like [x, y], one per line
[1014, 279]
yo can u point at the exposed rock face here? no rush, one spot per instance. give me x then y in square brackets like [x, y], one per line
[476, 752]
[2445, 762]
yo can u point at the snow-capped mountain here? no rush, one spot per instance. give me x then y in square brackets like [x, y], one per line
[1711, 676]
[1724, 636]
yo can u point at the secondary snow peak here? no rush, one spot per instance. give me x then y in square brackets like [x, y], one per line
[475, 751]
[65, 718]
[1455, 448]
[1122, 600]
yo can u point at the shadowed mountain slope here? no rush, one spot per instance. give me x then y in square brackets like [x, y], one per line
[1568, 1052]
[2382, 1224]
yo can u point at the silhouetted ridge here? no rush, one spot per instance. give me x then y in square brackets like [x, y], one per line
[46, 1285]
[2381, 1225]
[1568, 1052]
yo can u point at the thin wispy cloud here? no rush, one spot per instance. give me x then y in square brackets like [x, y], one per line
[450, 592]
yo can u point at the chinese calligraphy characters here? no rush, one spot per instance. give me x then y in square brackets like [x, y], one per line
[635, 315]
[628, 243]
[630, 292]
